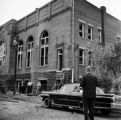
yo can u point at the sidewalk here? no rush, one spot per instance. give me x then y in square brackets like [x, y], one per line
[22, 97]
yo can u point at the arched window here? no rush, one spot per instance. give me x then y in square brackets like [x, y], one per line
[30, 45]
[2, 53]
[44, 40]
[20, 54]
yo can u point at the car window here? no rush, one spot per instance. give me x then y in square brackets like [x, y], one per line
[99, 91]
[66, 89]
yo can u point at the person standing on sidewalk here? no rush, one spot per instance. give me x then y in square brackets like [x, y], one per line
[29, 87]
[38, 88]
[89, 83]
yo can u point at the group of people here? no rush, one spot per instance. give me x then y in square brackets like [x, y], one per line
[28, 87]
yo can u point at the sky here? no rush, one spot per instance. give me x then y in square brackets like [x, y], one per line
[17, 9]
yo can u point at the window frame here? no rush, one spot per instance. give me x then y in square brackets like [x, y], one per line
[82, 57]
[44, 45]
[91, 32]
[99, 35]
[3, 47]
[20, 53]
[60, 67]
[30, 46]
[82, 23]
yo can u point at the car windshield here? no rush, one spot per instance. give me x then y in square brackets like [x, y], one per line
[66, 89]
[99, 91]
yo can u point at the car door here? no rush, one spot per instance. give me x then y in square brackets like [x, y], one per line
[62, 97]
[69, 96]
[75, 97]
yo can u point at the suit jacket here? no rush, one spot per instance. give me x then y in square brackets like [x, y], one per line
[89, 83]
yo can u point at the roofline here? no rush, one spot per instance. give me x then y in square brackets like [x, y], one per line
[35, 10]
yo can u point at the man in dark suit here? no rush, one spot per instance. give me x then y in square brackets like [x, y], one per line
[89, 83]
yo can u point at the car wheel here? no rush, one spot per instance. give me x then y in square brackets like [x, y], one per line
[47, 102]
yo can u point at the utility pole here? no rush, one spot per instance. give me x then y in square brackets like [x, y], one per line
[15, 44]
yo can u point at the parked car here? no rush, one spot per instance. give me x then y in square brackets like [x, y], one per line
[70, 95]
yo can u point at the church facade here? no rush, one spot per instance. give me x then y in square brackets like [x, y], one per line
[56, 42]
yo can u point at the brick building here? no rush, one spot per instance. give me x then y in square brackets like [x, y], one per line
[56, 42]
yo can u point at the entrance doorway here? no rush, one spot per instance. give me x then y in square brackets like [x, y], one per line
[43, 85]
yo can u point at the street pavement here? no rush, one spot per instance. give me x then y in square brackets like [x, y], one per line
[22, 97]
[23, 107]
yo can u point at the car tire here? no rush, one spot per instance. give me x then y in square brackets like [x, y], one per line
[47, 102]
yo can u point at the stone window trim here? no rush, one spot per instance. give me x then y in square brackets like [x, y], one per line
[90, 25]
[59, 45]
[82, 21]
